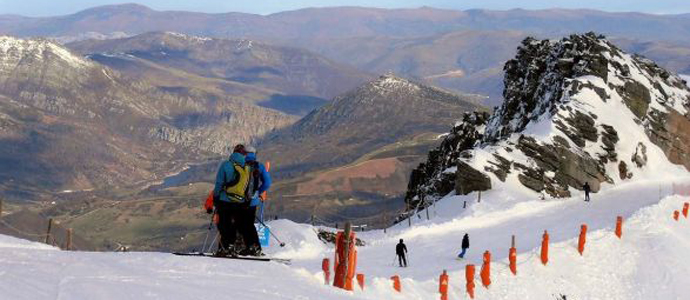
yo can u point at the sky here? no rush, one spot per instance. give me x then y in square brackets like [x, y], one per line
[62, 7]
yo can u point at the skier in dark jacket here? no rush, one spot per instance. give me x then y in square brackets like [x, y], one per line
[230, 200]
[465, 245]
[587, 190]
[401, 250]
[260, 183]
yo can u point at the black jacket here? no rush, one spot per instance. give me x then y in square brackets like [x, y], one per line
[465, 241]
[586, 187]
[400, 249]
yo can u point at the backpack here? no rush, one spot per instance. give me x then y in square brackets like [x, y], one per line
[236, 190]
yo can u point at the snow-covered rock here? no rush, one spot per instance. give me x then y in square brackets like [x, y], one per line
[576, 110]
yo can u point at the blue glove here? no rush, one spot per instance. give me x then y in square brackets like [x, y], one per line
[255, 201]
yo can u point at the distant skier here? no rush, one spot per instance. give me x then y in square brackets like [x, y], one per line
[465, 245]
[587, 190]
[401, 250]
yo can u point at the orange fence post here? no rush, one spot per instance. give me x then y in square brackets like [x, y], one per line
[486, 270]
[619, 227]
[345, 261]
[325, 266]
[685, 209]
[583, 239]
[443, 285]
[396, 283]
[360, 280]
[469, 276]
[512, 256]
[545, 248]
[675, 215]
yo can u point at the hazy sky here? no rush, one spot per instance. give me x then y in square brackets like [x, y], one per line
[61, 7]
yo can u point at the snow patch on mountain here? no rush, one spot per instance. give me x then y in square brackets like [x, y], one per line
[13, 50]
[686, 78]
[193, 38]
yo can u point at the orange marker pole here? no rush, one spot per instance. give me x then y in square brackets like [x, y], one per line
[619, 227]
[486, 270]
[443, 285]
[512, 256]
[469, 276]
[264, 195]
[396, 283]
[325, 266]
[545, 248]
[685, 209]
[360, 280]
[675, 215]
[583, 239]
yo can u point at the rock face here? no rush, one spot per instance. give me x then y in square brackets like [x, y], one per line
[468, 180]
[576, 110]
[436, 176]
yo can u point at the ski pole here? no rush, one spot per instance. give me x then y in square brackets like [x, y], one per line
[270, 231]
[212, 242]
[210, 226]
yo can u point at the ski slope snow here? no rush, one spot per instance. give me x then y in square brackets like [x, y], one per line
[648, 263]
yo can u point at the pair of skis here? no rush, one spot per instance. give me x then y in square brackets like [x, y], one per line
[254, 258]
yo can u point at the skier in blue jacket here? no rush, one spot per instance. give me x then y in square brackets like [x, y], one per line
[231, 199]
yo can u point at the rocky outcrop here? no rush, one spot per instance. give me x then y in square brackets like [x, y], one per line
[437, 176]
[468, 179]
[575, 111]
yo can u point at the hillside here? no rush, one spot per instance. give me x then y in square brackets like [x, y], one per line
[348, 160]
[69, 123]
[375, 114]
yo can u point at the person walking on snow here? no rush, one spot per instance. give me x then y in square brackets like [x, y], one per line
[465, 245]
[260, 183]
[230, 200]
[587, 190]
[401, 250]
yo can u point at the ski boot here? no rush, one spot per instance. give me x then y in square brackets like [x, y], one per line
[226, 252]
[254, 250]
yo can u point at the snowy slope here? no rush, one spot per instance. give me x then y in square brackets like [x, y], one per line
[648, 263]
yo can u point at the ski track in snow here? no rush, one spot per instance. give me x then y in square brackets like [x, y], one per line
[648, 263]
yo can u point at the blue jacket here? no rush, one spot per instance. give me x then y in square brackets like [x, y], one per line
[265, 176]
[226, 174]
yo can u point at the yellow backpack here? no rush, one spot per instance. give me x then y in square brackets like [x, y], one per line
[237, 188]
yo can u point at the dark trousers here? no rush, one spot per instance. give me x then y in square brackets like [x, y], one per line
[228, 221]
[586, 196]
[402, 260]
[246, 227]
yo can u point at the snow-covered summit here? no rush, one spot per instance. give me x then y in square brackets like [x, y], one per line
[13, 50]
[576, 110]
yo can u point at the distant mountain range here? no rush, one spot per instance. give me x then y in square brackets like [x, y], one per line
[285, 70]
[459, 50]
